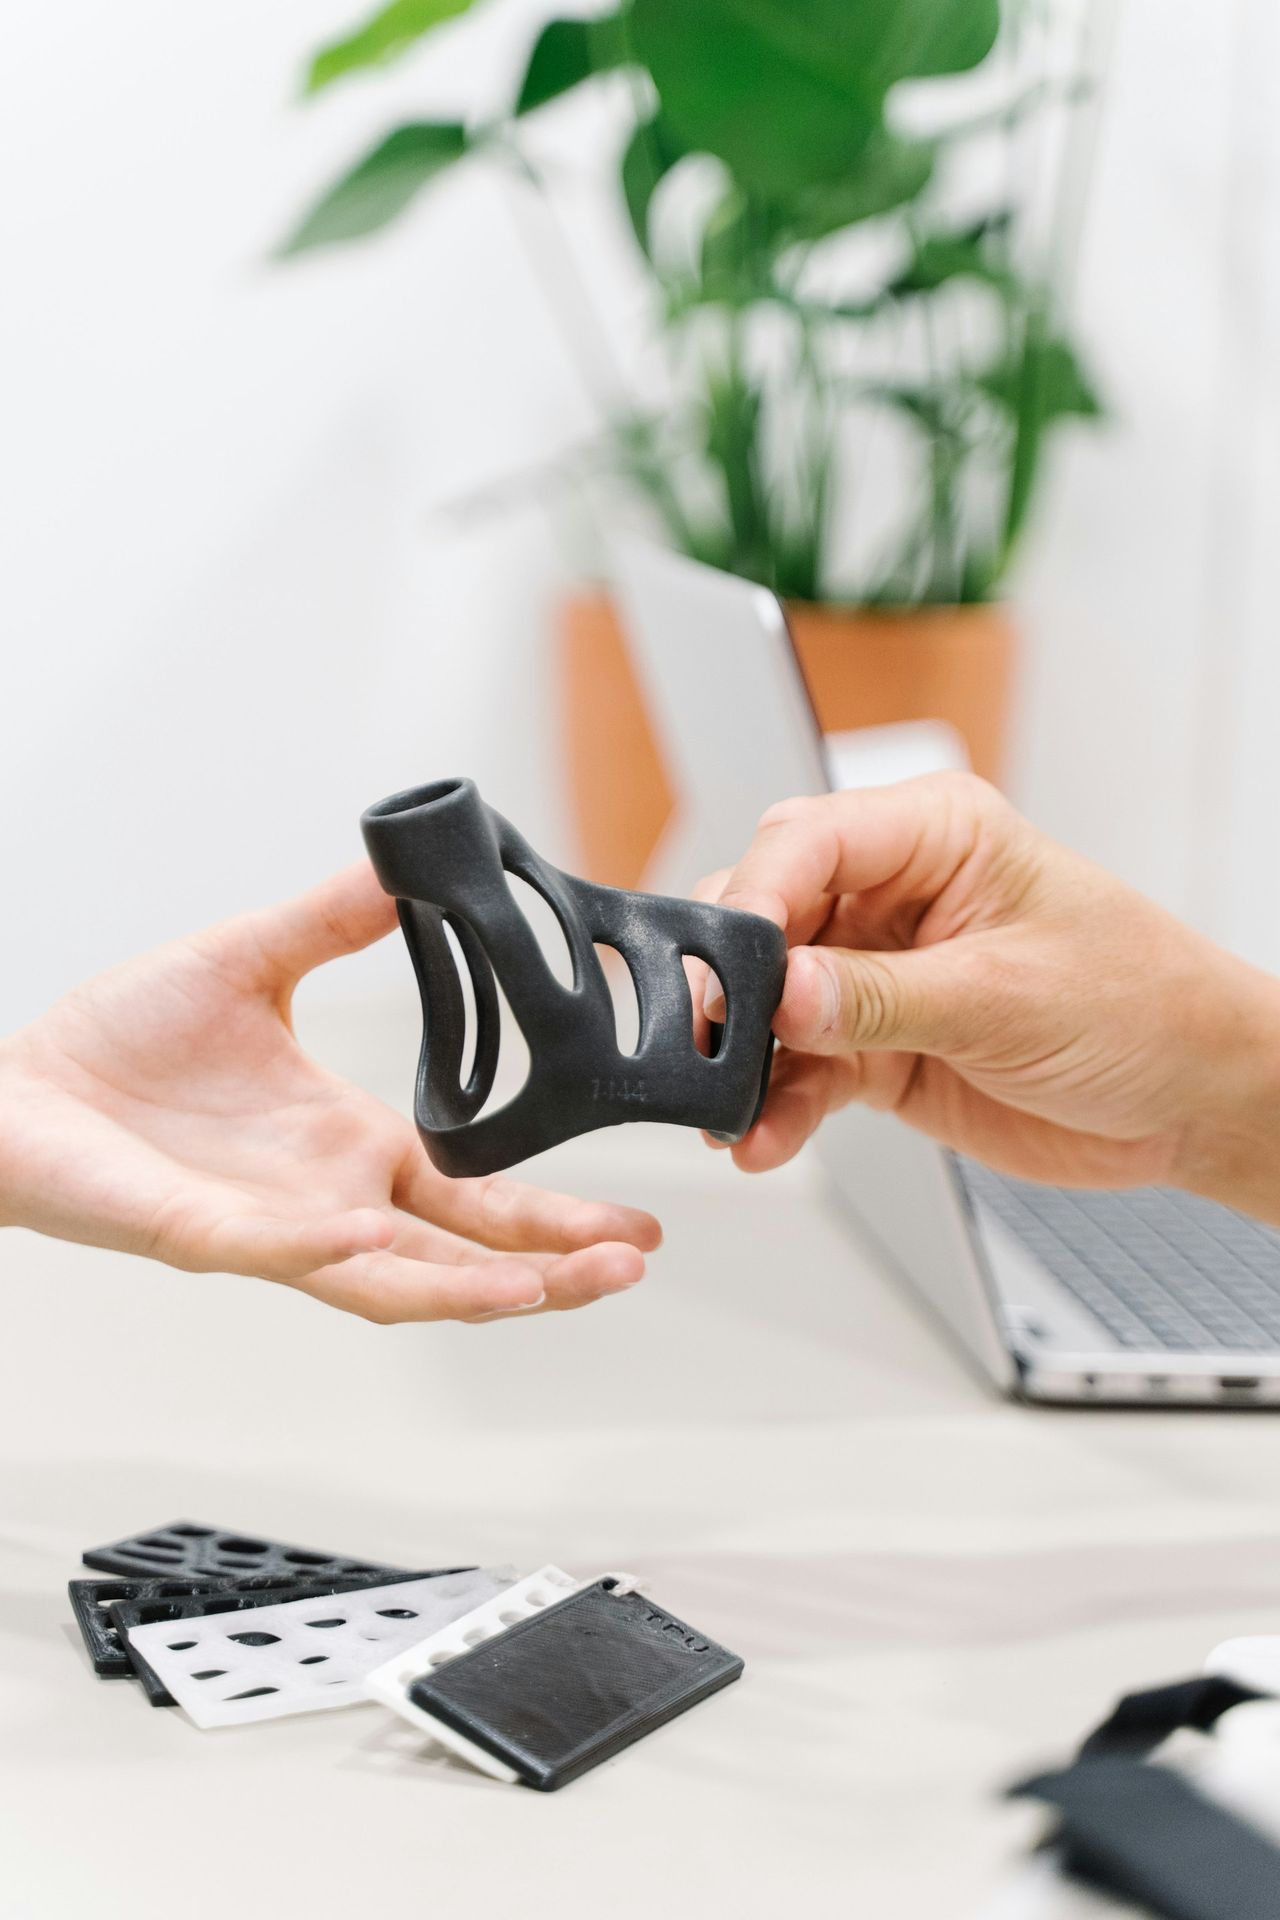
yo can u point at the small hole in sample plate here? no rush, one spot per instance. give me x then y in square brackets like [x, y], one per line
[193, 1533]
[355, 1566]
[307, 1559]
[179, 1646]
[510, 1618]
[536, 1599]
[396, 1613]
[243, 1546]
[438, 1659]
[148, 1614]
[252, 1693]
[339, 1620]
[161, 1544]
[209, 1673]
[231, 1605]
[255, 1639]
[626, 999]
[473, 1639]
[314, 1660]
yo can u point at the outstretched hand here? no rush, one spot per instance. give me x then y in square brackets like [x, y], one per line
[166, 1109]
[1005, 996]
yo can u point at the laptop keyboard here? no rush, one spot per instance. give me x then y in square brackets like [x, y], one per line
[1157, 1268]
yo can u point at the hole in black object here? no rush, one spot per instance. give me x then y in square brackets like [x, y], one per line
[514, 1059]
[163, 1545]
[544, 924]
[176, 1589]
[166, 1558]
[339, 1620]
[254, 1547]
[229, 1605]
[251, 1693]
[354, 1567]
[147, 1614]
[313, 1660]
[707, 1034]
[255, 1639]
[209, 1673]
[1239, 1382]
[192, 1533]
[179, 1646]
[466, 987]
[396, 1613]
[624, 994]
[300, 1559]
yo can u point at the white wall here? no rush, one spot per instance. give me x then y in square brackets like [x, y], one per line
[229, 617]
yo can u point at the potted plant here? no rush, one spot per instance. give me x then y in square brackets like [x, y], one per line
[839, 311]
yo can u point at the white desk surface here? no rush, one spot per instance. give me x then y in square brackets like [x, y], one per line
[933, 1591]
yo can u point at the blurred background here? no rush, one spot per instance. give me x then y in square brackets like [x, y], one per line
[284, 533]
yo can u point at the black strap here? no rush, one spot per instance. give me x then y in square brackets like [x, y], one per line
[1141, 1832]
[1140, 1721]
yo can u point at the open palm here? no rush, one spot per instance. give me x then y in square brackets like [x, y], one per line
[166, 1108]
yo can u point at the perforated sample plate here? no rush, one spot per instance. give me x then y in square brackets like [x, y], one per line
[303, 1655]
[91, 1601]
[391, 1683]
[574, 1685]
[189, 1550]
[198, 1603]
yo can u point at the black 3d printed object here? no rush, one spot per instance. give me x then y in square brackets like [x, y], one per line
[445, 856]
[187, 1550]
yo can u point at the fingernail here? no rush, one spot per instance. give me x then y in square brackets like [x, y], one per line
[503, 1313]
[713, 1001]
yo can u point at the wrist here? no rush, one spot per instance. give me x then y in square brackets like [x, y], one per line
[1231, 1146]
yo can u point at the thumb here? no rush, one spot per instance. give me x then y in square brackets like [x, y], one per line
[341, 915]
[835, 1001]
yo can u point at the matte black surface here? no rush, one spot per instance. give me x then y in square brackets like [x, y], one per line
[90, 1600]
[570, 1687]
[243, 1598]
[445, 856]
[1139, 1722]
[1145, 1834]
[189, 1549]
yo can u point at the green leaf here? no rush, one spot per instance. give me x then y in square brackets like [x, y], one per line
[566, 53]
[789, 92]
[1045, 379]
[648, 157]
[940, 257]
[889, 173]
[381, 185]
[384, 37]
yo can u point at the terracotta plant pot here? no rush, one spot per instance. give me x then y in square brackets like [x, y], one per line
[863, 670]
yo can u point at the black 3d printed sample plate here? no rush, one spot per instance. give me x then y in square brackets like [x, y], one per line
[200, 1603]
[190, 1550]
[570, 1687]
[90, 1600]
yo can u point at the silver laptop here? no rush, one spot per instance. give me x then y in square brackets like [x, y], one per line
[1147, 1297]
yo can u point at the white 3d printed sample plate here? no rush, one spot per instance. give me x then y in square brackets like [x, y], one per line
[301, 1655]
[390, 1683]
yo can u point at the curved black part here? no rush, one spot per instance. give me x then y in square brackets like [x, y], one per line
[445, 856]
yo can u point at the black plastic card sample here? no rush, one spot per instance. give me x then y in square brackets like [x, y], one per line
[186, 1550]
[572, 1686]
[200, 1603]
[90, 1600]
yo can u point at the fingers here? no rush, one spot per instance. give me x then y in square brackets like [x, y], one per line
[386, 1287]
[340, 916]
[806, 852]
[927, 1000]
[576, 1280]
[274, 1249]
[514, 1217]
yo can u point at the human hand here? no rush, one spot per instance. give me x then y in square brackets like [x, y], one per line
[1005, 996]
[166, 1109]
